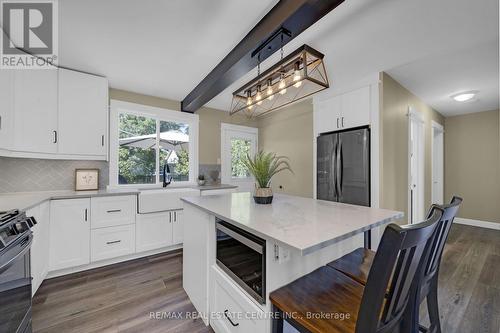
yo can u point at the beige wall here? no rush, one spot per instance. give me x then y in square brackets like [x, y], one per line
[395, 100]
[472, 164]
[210, 120]
[289, 132]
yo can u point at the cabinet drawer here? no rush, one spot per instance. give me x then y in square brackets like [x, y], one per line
[112, 242]
[227, 300]
[113, 211]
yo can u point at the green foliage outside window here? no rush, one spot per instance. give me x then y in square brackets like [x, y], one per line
[239, 150]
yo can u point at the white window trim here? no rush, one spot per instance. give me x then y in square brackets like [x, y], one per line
[117, 107]
[246, 133]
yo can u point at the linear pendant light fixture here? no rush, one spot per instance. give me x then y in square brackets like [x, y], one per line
[298, 75]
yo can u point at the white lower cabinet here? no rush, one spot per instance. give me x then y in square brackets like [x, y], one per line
[157, 230]
[177, 227]
[232, 310]
[40, 247]
[153, 231]
[112, 242]
[69, 233]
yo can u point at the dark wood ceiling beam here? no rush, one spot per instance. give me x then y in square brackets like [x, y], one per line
[292, 15]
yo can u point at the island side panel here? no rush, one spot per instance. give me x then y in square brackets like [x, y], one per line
[198, 257]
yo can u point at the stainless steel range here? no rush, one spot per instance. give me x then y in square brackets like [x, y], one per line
[15, 274]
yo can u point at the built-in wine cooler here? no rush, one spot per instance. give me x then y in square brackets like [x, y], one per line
[243, 257]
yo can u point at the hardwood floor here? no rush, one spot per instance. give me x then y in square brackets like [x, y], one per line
[469, 281]
[121, 298]
[117, 298]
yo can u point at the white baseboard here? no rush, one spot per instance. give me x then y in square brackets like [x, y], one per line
[477, 223]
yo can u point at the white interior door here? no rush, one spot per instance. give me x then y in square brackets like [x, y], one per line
[416, 164]
[437, 163]
[236, 142]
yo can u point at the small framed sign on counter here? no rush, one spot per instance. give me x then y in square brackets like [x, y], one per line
[86, 179]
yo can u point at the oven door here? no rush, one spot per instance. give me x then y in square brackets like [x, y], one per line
[242, 256]
[15, 286]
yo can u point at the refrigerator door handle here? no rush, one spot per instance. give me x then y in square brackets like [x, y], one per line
[339, 169]
[334, 169]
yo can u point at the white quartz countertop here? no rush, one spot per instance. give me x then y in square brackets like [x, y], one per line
[304, 224]
[27, 200]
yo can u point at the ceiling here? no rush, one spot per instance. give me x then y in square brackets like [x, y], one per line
[156, 47]
[165, 48]
[437, 77]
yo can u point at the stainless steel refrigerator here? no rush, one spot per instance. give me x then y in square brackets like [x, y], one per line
[343, 166]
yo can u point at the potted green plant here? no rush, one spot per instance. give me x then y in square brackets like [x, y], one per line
[201, 180]
[263, 166]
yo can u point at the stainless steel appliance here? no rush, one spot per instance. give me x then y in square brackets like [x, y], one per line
[243, 257]
[343, 168]
[15, 274]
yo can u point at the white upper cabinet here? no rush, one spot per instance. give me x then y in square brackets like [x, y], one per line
[6, 108]
[344, 111]
[53, 113]
[356, 108]
[327, 115]
[35, 111]
[83, 113]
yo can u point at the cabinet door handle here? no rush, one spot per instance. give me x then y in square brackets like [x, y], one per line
[228, 318]
[169, 217]
[113, 242]
[102, 140]
[337, 122]
[175, 216]
[342, 121]
[0, 122]
[55, 136]
[114, 211]
[86, 214]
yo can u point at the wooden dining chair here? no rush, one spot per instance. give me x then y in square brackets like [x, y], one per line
[358, 263]
[327, 300]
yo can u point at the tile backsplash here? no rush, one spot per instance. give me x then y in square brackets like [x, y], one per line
[209, 170]
[31, 175]
[28, 174]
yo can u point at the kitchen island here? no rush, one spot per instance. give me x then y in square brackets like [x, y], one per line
[236, 252]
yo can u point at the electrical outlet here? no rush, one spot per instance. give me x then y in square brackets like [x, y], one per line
[281, 254]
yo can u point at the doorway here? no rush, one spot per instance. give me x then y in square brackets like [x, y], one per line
[437, 146]
[236, 142]
[416, 145]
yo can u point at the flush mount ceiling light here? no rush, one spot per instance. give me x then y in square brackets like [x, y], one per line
[298, 75]
[465, 96]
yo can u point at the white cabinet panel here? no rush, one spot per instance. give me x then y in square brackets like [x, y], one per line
[327, 115]
[69, 233]
[348, 110]
[153, 231]
[177, 227]
[83, 113]
[40, 248]
[228, 300]
[112, 242]
[113, 211]
[356, 108]
[6, 108]
[35, 111]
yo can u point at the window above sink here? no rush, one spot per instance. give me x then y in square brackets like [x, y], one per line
[146, 140]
